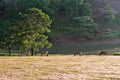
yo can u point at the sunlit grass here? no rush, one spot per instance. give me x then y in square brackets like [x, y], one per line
[59, 68]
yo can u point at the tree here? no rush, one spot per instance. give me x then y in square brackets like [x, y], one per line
[32, 28]
[25, 30]
[85, 9]
[7, 35]
[86, 27]
[110, 13]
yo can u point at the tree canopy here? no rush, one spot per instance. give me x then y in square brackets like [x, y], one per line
[25, 30]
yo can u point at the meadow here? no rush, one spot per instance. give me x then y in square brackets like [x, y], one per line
[63, 65]
[60, 67]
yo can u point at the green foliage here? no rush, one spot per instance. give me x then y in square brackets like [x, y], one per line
[25, 30]
[68, 17]
[110, 13]
[48, 6]
[71, 18]
[85, 9]
[116, 53]
[111, 35]
[61, 14]
[7, 34]
[86, 28]
[34, 24]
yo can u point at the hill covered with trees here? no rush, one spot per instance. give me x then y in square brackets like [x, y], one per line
[26, 23]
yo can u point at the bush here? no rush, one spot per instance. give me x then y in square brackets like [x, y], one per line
[116, 53]
[111, 34]
[2, 54]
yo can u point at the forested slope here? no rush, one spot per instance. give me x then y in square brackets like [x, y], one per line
[76, 20]
[109, 26]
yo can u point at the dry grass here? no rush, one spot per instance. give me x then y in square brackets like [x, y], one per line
[60, 68]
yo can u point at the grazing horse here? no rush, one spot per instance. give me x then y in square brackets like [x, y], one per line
[78, 53]
[44, 53]
[103, 53]
[24, 53]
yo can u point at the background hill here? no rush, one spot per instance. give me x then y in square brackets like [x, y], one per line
[98, 7]
[106, 29]
[71, 21]
[68, 16]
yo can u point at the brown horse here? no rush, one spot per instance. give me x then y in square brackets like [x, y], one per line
[103, 53]
[79, 53]
[24, 52]
[44, 53]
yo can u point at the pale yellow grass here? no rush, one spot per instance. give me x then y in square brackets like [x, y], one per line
[60, 68]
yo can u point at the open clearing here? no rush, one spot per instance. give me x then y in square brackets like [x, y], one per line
[60, 68]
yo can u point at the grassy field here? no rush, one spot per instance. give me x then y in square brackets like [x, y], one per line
[60, 68]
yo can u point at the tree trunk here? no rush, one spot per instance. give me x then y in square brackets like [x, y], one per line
[32, 51]
[9, 51]
[21, 53]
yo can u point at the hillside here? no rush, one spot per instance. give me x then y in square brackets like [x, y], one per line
[98, 7]
[105, 30]
[76, 22]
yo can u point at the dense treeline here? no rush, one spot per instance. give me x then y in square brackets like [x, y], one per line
[25, 24]
[65, 18]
